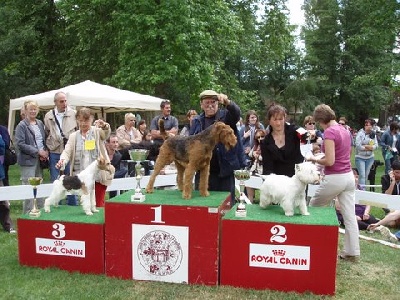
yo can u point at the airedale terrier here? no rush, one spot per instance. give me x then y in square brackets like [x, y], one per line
[191, 153]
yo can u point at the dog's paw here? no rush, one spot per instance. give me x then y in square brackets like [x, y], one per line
[149, 191]
[88, 213]
[289, 214]
[206, 194]
[263, 205]
[47, 210]
[186, 196]
[95, 210]
[305, 213]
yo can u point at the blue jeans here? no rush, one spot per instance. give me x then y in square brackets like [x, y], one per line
[363, 166]
[54, 173]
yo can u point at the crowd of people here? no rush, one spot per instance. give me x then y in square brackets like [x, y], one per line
[68, 141]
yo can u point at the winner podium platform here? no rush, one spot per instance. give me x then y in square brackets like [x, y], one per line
[268, 250]
[66, 238]
[165, 238]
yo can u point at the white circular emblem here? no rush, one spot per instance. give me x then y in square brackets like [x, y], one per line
[159, 253]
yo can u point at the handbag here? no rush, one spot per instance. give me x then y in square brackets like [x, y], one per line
[388, 155]
[44, 164]
[105, 177]
[10, 157]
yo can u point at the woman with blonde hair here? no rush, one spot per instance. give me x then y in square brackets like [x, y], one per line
[127, 134]
[30, 139]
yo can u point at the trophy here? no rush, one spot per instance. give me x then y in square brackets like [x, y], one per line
[242, 176]
[34, 182]
[138, 155]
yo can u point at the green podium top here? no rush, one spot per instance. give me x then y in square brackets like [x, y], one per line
[174, 197]
[274, 213]
[67, 213]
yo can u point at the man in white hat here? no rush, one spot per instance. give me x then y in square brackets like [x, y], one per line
[223, 162]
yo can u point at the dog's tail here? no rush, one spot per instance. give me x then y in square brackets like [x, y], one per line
[163, 133]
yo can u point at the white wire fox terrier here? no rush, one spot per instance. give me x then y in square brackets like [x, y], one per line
[81, 184]
[289, 192]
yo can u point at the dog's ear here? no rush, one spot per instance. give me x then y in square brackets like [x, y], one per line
[84, 189]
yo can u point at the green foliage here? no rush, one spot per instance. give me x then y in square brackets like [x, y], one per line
[350, 50]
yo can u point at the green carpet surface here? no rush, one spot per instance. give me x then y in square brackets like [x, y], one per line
[174, 197]
[274, 213]
[67, 213]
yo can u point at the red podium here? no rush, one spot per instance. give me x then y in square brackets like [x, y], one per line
[165, 238]
[66, 239]
[267, 250]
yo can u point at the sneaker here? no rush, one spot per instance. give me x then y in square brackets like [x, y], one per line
[349, 258]
[12, 231]
[388, 234]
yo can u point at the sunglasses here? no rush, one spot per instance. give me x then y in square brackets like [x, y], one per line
[311, 123]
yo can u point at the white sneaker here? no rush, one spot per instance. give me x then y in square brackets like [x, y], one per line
[388, 234]
[12, 231]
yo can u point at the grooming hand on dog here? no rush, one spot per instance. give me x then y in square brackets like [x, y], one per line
[289, 192]
[190, 154]
[81, 184]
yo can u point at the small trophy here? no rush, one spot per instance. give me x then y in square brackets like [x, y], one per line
[138, 155]
[34, 182]
[242, 176]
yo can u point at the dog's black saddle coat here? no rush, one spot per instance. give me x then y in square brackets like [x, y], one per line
[72, 183]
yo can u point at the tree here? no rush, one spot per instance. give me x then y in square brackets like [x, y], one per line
[28, 49]
[174, 49]
[349, 48]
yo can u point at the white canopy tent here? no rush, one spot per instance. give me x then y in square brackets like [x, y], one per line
[100, 98]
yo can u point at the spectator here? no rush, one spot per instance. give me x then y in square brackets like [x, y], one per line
[339, 179]
[7, 140]
[392, 220]
[223, 162]
[127, 134]
[170, 123]
[317, 153]
[343, 122]
[30, 138]
[5, 219]
[82, 148]
[189, 116]
[247, 131]
[115, 159]
[363, 216]
[147, 136]
[314, 134]
[59, 123]
[142, 127]
[256, 159]
[366, 143]
[390, 143]
[281, 147]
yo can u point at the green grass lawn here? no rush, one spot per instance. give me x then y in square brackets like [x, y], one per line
[375, 276]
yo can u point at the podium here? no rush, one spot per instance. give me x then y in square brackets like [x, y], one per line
[165, 238]
[66, 238]
[268, 250]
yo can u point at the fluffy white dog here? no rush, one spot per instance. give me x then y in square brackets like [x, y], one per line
[81, 184]
[289, 192]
